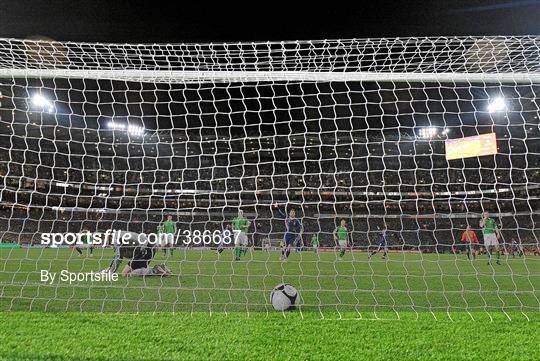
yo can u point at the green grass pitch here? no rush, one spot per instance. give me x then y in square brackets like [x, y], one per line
[411, 306]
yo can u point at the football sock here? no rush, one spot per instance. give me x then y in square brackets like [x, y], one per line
[342, 253]
[79, 251]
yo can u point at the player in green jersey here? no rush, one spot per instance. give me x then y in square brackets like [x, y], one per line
[168, 229]
[315, 242]
[341, 236]
[240, 226]
[491, 236]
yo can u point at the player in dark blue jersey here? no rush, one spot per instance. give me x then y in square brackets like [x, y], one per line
[382, 245]
[517, 249]
[293, 230]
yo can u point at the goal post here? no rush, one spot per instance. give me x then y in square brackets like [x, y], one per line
[377, 177]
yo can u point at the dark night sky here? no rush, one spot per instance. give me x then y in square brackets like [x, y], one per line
[155, 21]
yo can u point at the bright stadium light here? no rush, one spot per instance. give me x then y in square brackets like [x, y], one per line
[39, 101]
[497, 105]
[428, 132]
[135, 130]
[130, 128]
[116, 126]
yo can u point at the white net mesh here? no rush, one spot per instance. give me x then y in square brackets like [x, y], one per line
[104, 137]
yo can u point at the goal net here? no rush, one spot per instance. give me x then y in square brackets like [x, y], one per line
[377, 177]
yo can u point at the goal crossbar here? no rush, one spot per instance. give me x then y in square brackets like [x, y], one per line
[177, 76]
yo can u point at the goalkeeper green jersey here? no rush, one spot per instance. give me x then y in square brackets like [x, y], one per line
[169, 227]
[342, 233]
[489, 226]
[240, 224]
[314, 241]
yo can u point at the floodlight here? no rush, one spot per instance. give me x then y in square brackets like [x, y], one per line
[116, 126]
[427, 132]
[497, 105]
[135, 130]
[39, 101]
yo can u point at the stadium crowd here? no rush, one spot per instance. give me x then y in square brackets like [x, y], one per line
[425, 200]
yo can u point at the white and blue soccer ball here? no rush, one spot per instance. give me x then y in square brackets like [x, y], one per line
[284, 297]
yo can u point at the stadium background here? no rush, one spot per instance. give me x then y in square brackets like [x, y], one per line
[331, 150]
[440, 335]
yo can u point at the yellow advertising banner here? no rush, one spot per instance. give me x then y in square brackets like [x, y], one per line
[475, 146]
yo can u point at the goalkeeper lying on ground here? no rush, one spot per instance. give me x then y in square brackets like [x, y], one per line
[139, 252]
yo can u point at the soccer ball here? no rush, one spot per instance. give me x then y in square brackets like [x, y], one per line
[284, 297]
